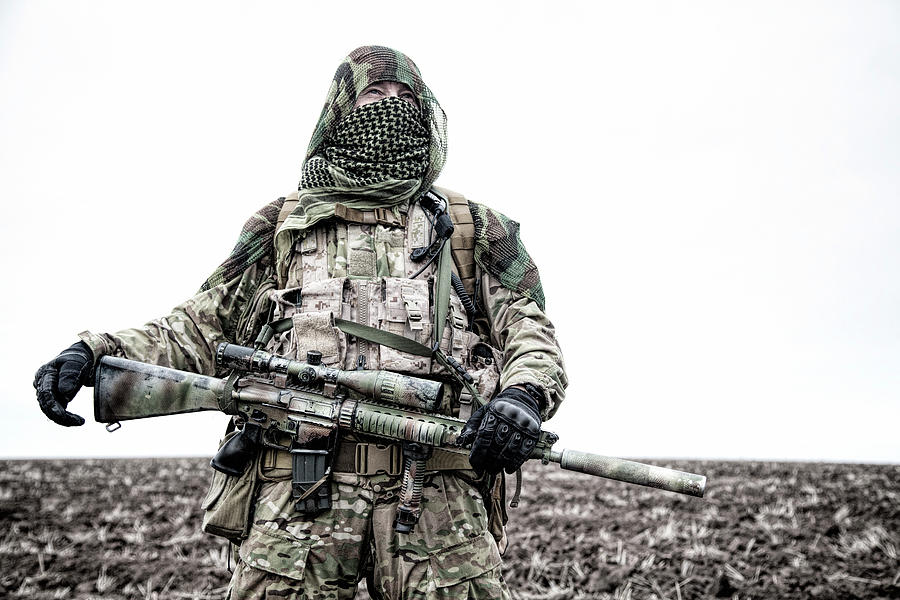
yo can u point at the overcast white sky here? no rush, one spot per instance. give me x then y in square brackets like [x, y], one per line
[709, 189]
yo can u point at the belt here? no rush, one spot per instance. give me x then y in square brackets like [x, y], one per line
[364, 458]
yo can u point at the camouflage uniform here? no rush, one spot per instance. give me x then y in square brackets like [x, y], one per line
[361, 271]
[450, 554]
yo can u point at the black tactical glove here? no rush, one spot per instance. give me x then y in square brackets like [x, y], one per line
[59, 380]
[504, 431]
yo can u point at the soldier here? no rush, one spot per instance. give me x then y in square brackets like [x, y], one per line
[363, 239]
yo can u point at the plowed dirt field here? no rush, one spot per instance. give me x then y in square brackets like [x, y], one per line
[130, 529]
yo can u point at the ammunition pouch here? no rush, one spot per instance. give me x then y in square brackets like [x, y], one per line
[310, 480]
[230, 500]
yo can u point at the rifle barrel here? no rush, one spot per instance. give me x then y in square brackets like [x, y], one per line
[630, 471]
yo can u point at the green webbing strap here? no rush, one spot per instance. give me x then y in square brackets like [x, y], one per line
[226, 401]
[381, 337]
[398, 342]
[370, 334]
[441, 294]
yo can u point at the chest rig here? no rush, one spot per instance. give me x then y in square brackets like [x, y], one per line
[347, 292]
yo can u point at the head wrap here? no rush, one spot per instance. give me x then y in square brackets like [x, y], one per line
[363, 67]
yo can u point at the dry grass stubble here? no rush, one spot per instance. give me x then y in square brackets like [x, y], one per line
[130, 529]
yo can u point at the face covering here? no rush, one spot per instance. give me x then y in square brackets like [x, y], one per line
[380, 141]
[363, 67]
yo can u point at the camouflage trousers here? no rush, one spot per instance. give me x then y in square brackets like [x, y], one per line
[449, 555]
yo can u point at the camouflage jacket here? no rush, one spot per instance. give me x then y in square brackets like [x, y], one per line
[325, 269]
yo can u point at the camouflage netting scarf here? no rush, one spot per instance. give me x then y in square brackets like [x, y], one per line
[254, 242]
[363, 67]
[500, 252]
[337, 171]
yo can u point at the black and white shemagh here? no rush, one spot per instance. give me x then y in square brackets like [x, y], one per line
[377, 142]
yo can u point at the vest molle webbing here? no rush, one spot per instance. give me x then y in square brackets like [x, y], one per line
[462, 242]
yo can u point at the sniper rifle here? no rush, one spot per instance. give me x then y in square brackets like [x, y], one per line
[300, 407]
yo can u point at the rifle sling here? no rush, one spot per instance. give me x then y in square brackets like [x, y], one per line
[382, 337]
[442, 294]
[226, 401]
[270, 329]
[398, 342]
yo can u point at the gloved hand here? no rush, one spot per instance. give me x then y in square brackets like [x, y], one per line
[59, 380]
[504, 431]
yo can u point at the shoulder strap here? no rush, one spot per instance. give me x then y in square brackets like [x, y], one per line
[462, 242]
[290, 203]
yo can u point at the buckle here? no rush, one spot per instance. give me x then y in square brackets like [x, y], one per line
[380, 216]
[413, 312]
[386, 216]
[372, 459]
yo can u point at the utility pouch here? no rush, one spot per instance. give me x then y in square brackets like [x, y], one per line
[229, 501]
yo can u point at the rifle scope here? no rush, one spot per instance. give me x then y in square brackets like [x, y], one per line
[382, 386]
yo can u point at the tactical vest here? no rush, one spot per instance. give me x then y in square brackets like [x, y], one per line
[357, 267]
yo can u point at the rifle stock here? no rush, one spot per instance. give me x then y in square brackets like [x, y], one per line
[126, 389]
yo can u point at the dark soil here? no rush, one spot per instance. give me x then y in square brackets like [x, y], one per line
[131, 529]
